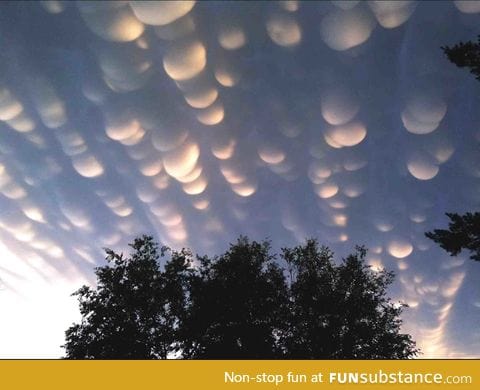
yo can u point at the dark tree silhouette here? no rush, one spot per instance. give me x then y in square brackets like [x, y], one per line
[465, 55]
[342, 312]
[238, 305]
[463, 233]
[134, 311]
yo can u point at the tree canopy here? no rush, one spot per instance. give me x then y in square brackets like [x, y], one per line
[240, 304]
[463, 233]
[465, 55]
[134, 309]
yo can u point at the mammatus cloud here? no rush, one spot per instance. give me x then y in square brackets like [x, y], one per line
[200, 121]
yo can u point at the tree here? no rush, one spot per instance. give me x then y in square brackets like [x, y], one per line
[135, 309]
[463, 233]
[238, 305]
[465, 55]
[342, 312]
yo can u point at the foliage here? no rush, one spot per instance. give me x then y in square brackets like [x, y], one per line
[238, 305]
[134, 311]
[342, 312]
[463, 233]
[238, 300]
[465, 55]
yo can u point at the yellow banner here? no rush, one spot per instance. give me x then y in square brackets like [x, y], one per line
[235, 374]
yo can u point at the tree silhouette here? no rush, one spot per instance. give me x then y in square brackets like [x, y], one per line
[135, 309]
[342, 311]
[238, 305]
[463, 233]
[465, 55]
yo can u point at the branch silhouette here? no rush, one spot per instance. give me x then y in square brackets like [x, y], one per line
[238, 305]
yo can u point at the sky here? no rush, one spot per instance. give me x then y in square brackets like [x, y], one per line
[199, 122]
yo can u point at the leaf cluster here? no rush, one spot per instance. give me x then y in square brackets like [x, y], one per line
[238, 305]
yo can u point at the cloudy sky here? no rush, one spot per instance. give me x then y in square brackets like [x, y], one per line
[200, 122]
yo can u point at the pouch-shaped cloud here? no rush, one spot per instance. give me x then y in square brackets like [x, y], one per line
[289, 5]
[177, 234]
[212, 115]
[245, 189]
[160, 13]
[185, 60]
[12, 112]
[125, 68]
[451, 287]
[72, 142]
[232, 38]
[340, 220]
[146, 192]
[339, 105]
[416, 127]
[271, 154]
[418, 217]
[171, 218]
[201, 204]
[9, 106]
[76, 215]
[122, 62]
[345, 29]
[33, 212]
[202, 97]
[226, 74]
[318, 172]
[400, 248]
[350, 134]
[121, 128]
[21, 123]
[127, 85]
[87, 165]
[12, 189]
[161, 181]
[192, 176]
[383, 223]
[111, 20]
[326, 190]
[53, 6]
[354, 163]
[151, 166]
[353, 189]
[223, 149]
[391, 14]
[134, 139]
[123, 210]
[423, 113]
[285, 169]
[22, 229]
[441, 149]
[182, 160]
[330, 142]
[467, 6]
[168, 137]
[284, 30]
[196, 186]
[49, 106]
[422, 167]
[233, 172]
